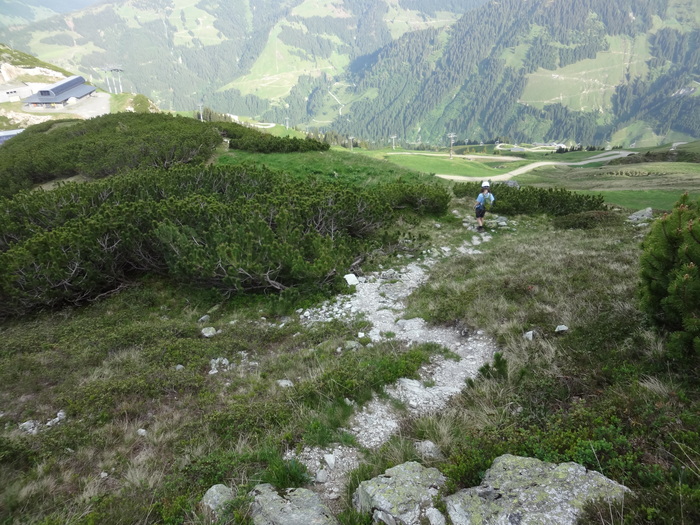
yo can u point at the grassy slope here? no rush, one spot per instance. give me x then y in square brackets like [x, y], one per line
[603, 394]
[588, 85]
[441, 163]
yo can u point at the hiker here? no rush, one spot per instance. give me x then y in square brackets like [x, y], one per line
[484, 198]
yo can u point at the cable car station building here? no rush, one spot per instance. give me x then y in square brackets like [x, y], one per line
[61, 93]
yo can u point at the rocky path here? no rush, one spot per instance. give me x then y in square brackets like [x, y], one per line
[379, 297]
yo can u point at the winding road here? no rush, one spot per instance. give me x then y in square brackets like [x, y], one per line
[603, 157]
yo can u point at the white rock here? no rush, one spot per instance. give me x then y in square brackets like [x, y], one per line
[179, 367]
[285, 383]
[142, 432]
[561, 328]
[330, 460]
[104, 475]
[434, 516]
[218, 363]
[203, 319]
[216, 498]
[209, 331]
[351, 279]
[30, 427]
[529, 335]
[322, 476]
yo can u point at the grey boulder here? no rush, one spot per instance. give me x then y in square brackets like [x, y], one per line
[290, 507]
[528, 491]
[402, 495]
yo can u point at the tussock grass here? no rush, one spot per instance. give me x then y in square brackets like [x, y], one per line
[112, 368]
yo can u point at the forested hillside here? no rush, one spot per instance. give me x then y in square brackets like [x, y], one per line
[493, 76]
[588, 71]
[178, 52]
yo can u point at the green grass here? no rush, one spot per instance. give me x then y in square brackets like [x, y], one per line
[333, 163]
[113, 372]
[433, 163]
[638, 199]
[589, 83]
[655, 184]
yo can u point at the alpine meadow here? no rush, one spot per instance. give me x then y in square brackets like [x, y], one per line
[243, 282]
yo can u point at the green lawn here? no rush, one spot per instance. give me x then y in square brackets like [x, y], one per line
[433, 164]
[638, 199]
[333, 163]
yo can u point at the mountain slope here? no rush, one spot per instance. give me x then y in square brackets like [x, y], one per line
[588, 71]
[541, 71]
[242, 54]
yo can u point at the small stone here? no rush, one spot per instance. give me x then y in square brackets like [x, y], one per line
[209, 331]
[529, 335]
[141, 432]
[322, 476]
[561, 328]
[429, 450]
[360, 335]
[330, 460]
[30, 427]
[204, 319]
[351, 279]
[179, 367]
[285, 383]
[104, 475]
[352, 345]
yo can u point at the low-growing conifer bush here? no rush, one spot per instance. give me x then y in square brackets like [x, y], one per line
[232, 229]
[670, 282]
[587, 220]
[528, 200]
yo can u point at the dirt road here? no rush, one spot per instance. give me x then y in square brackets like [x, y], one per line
[603, 157]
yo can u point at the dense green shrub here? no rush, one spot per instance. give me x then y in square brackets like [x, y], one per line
[233, 229]
[588, 220]
[670, 282]
[528, 200]
[252, 140]
[102, 146]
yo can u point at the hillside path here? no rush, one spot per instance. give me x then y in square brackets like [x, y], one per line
[379, 297]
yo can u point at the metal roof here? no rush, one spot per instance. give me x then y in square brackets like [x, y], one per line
[8, 134]
[60, 92]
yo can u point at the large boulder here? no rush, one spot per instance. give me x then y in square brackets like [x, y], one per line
[290, 507]
[528, 491]
[402, 495]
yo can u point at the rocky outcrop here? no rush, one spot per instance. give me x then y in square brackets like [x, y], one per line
[528, 491]
[290, 507]
[402, 495]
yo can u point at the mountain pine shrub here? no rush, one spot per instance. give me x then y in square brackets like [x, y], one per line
[232, 229]
[528, 200]
[670, 282]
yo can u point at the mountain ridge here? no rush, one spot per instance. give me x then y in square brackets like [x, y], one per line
[583, 72]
